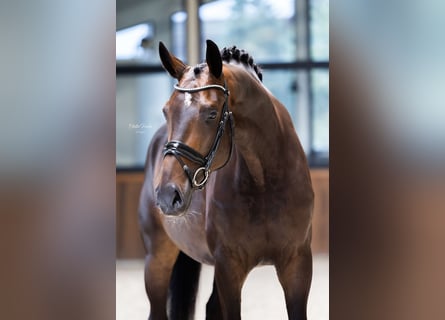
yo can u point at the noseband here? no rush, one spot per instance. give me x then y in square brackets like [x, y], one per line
[180, 150]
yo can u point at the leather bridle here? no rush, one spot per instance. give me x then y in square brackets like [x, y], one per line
[180, 150]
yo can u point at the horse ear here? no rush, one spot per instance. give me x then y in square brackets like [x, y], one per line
[213, 58]
[173, 65]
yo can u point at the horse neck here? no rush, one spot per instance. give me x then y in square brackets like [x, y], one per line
[258, 133]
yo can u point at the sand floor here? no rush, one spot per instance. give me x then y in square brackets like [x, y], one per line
[262, 296]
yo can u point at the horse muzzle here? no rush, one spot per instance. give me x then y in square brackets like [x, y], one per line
[171, 200]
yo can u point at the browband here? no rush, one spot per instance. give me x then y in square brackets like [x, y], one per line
[210, 86]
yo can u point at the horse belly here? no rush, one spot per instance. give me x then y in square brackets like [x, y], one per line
[188, 233]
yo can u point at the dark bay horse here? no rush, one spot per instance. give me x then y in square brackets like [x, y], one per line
[226, 184]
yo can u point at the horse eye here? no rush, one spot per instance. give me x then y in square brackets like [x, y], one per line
[212, 115]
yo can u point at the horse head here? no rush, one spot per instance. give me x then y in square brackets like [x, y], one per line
[197, 116]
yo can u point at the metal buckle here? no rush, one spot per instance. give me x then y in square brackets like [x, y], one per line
[201, 183]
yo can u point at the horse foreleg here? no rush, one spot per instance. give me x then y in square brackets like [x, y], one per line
[213, 306]
[158, 268]
[229, 277]
[295, 274]
[184, 284]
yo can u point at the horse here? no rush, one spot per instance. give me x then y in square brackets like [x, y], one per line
[227, 184]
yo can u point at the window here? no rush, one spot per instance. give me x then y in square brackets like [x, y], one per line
[264, 27]
[289, 39]
[142, 85]
[179, 35]
[135, 43]
[139, 101]
[320, 117]
[319, 27]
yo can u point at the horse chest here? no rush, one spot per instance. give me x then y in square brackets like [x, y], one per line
[188, 233]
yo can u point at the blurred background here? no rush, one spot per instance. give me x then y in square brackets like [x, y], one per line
[289, 39]
[58, 146]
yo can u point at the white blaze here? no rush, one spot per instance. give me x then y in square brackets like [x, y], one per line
[188, 99]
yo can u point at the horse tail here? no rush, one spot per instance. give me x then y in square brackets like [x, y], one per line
[184, 287]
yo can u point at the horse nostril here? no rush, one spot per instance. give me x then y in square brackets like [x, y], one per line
[177, 200]
[169, 199]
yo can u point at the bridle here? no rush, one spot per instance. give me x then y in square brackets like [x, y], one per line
[180, 150]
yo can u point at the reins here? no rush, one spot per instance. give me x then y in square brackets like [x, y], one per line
[180, 150]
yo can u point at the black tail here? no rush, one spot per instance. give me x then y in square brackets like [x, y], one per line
[183, 288]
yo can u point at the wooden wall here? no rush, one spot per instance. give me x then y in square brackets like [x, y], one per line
[128, 187]
[128, 240]
[320, 220]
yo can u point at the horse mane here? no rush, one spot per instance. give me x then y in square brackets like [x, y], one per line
[243, 57]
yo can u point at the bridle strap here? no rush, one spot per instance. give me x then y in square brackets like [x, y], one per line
[226, 116]
[210, 86]
[183, 150]
[180, 150]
